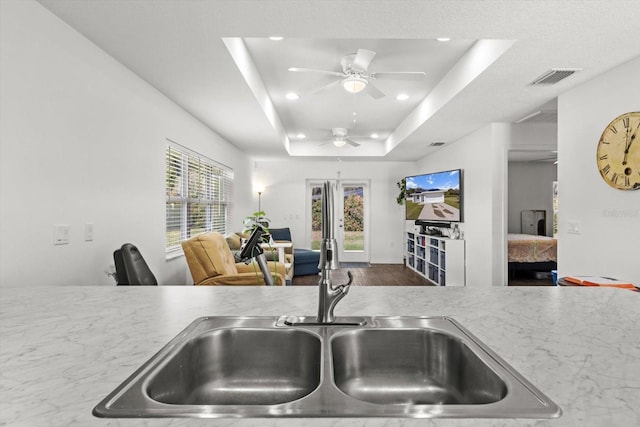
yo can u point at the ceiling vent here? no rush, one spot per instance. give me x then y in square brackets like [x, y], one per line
[436, 144]
[554, 75]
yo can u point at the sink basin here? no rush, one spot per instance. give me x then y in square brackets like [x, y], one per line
[414, 366]
[400, 367]
[221, 368]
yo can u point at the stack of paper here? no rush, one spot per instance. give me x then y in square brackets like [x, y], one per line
[599, 281]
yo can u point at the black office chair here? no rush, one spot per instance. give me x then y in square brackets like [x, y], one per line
[131, 268]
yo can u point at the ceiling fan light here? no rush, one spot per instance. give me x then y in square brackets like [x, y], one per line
[354, 84]
[339, 142]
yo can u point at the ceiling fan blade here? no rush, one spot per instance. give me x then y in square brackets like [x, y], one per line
[351, 142]
[373, 91]
[311, 70]
[398, 75]
[320, 85]
[362, 60]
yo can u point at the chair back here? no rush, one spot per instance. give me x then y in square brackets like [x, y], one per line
[280, 233]
[208, 255]
[131, 268]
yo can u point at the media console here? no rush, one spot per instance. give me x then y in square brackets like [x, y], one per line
[441, 260]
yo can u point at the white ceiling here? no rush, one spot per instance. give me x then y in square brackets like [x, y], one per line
[214, 59]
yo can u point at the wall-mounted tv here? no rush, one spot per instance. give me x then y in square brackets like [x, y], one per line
[434, 197]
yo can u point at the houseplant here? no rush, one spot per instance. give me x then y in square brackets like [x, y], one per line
[257, 218]
[402, 185]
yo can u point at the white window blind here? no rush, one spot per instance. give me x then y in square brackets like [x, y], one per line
[198, 195]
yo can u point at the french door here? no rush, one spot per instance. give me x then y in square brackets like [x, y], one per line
[351, 218]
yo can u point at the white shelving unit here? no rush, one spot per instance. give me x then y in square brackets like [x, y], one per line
[438, 259]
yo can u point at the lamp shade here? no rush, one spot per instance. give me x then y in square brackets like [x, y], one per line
[339, 142]
[354, 84]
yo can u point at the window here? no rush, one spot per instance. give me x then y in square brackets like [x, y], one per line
[198, 195]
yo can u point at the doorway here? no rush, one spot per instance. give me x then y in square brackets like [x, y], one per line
[351, 218]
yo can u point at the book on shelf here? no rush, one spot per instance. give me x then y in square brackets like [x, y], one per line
[599, 281]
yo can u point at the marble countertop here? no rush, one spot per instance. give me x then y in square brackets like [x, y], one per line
[63, 349]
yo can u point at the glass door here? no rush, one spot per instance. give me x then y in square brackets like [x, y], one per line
[314, 215]
[351, 218]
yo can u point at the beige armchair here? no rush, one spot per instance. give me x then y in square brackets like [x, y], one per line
[211, 263]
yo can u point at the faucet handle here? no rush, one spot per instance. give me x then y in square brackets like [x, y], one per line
[350, 279]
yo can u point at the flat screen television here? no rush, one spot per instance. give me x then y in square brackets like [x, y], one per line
[434, 197]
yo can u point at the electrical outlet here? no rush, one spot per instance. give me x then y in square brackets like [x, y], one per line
[573, 227]
[88, 232]
[61, 234]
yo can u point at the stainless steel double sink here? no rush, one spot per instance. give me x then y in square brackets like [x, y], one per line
[404, 367]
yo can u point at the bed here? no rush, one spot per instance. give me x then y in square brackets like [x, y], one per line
[531, 253]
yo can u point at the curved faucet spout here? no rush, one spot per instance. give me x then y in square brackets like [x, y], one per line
[328, 295]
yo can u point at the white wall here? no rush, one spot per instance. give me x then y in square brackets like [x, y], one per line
[609, 219]
[285, 194]
[530, 187]
[482, 156]
[538, 136]
[82, 141]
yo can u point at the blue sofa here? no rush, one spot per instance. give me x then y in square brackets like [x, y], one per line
[305, 261]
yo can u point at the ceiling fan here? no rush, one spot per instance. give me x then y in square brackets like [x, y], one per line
[355, 76]
[340, 138]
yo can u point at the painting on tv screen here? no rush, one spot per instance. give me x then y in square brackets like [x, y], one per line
[434, 196]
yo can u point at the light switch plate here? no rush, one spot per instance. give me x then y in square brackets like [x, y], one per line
[61, 234]
[88, 232]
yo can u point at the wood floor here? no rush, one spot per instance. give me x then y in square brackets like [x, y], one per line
[396, 275]
[376, 275]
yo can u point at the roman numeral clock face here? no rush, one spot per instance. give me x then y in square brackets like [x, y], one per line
[618, 154]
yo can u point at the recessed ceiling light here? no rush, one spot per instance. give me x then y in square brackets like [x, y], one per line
[301, 136]
[375, 135]
[276, 38]
[292, 96]
[443, 39]
[402, 97]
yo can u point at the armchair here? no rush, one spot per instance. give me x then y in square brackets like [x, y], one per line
[211, 263]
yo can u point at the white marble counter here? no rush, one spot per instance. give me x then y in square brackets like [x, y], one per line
[62, 349]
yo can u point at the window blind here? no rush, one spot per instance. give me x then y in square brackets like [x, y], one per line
[199, 191]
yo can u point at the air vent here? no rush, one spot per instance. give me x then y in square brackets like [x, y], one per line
[554, 75]
[436, 144]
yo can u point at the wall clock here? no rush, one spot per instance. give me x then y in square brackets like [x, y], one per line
[618, 154]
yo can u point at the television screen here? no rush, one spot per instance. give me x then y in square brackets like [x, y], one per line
[434, 196]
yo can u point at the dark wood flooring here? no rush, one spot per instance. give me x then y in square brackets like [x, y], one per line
[398, 275]
[376, 275]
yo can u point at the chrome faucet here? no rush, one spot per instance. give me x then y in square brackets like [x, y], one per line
[329, 295]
